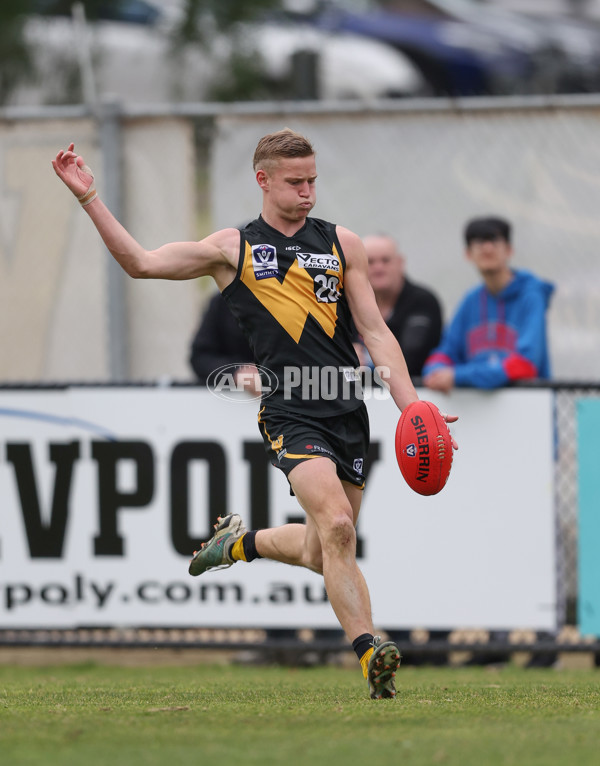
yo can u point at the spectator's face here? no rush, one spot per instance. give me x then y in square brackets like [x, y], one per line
[490, 256]
[386, 265]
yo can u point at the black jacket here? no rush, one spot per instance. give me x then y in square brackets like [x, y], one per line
[417, 324]
[218, 341]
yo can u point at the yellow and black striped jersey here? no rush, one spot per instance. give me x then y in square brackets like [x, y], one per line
[288, 297]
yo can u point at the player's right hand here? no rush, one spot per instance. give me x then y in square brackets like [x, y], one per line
[73, 171]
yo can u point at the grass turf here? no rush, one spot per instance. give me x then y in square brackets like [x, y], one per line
[93, 714]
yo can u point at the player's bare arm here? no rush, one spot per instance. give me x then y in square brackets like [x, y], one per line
[216, 255]
[378, 338]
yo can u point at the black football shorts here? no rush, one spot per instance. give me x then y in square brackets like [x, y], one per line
[291, 439]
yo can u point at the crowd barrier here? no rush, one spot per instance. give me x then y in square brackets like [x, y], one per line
[106, 491]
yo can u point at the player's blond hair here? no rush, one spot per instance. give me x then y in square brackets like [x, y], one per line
[283, 144]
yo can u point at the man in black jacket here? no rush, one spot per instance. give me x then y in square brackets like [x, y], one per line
[219, 342]
[412, 312]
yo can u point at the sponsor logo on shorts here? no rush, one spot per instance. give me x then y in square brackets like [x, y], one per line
[264, 261]
[357, 465]
[312, 448]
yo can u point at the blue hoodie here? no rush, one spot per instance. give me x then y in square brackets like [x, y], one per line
[495, 339]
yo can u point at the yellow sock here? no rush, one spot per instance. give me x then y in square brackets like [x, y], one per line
[237, 550]
[364, 661]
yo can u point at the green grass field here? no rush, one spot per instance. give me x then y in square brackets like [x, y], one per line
[91, 714]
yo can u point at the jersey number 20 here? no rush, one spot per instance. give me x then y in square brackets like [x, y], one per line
[326, 289]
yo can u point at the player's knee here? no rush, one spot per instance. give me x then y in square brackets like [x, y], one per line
[340, 535]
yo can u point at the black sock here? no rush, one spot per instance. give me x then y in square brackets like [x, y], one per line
[362, 644]
[249, 546]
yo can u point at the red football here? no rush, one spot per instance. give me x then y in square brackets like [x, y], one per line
[424, 448]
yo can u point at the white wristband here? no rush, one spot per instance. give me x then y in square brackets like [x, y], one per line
[91, 193]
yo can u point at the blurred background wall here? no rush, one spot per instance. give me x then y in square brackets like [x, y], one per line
[55, 305]
[421, 173]
[418, 171]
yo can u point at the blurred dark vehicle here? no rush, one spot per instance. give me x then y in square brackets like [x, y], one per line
[575, 65]
[128, 11]
[565, 50]
[465, 48]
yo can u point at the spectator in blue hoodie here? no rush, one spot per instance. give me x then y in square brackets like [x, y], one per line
[498, 334]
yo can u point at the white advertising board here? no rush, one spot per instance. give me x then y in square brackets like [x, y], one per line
[105, 492]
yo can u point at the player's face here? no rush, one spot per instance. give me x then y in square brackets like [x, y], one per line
[291, 186]
[490, 256]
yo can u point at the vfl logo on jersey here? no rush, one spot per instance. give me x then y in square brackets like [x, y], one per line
[264, 261]
[318, 261]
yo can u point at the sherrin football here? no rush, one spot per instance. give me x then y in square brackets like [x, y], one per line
[424, 448]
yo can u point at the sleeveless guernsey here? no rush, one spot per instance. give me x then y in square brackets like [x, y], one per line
[288, 298]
